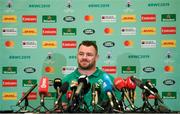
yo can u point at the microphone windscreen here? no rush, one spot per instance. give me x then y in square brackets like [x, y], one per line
[57, 83]
[129, 83]
[64, 87]
[68, 94]
[43, 85]
[107, 86]
[119, 83]
[73, 85]
[107, 78]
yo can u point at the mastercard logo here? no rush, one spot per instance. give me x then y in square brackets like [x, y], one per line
[88, 18]
[108, 30]
[169, 68]
[9, 44]
[49, 69]
[128, 43]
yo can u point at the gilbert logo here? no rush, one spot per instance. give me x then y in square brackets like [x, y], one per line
[68, 44]
[29, 18]
[9, 31]
[9, 83]
[109, 69]
[148, 30]
[128, 18]
[49, 31]
[168, 30]
[9, 19]
[9, 95]
[49, 44]
[148, 18]
[29, 31]
[168, 43]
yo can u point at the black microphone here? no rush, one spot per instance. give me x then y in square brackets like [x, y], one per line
[57, 84]
[84, 85]
[62, 91]
[95, 92]
[26, 94]
[73, 87]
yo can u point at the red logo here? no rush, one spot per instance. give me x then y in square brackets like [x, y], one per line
[29, 18]
[109, 69]
[31, 96]
[9, 83]
[148, 18]
[49, 31]
[168, 30]
[68, 44]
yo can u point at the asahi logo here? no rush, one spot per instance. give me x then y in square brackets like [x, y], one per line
[29, 70]
[108, 44]
[108, 18]
[168, 82]
[29, 18]
[128, 30]
[148, 18]
[9, 31]
[168, 30]
[49, 19]
[69, 44]
[49, 31]
[88, 31]
[148, 43]
[148, 69]
[29, 44]
[69, 18]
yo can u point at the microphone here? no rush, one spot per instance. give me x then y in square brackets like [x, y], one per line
[131, 86]
[84, 85]
[57, 84]
[26, 94]
[62, 91]
[120, 85]
[43, 88]
[73, 87]
[95, 93]
[68, 95]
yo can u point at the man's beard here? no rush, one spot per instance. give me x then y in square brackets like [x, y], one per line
[90, 66]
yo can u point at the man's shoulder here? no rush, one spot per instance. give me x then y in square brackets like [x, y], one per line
[69, 77]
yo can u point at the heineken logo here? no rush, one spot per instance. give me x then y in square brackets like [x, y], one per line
[69, 31]
[9, 70]
[168, 17]
[128, 69]
[49, 19]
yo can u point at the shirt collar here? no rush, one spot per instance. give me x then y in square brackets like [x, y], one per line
[95, 74]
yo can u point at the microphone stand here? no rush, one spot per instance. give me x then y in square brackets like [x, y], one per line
[26, 104]
[83, 104]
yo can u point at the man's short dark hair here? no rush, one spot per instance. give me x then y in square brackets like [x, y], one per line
[89, 43]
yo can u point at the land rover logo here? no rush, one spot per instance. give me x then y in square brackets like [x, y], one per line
[88, 31]
[108, 44]
[148, 69]
[29, 70]
[69, 18]
[169, 82]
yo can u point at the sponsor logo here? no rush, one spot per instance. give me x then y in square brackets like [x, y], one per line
[9, 44]
[128, 43]
[9, 70]
[9, 31]
[49, 31]
[148, 18]
[169, 68]
[9, 83]
[168, 17]
[168, 43]
[88, 31]
[69, 31]
[98, 5]
[49, 44]
[29, 18]
[28, 82]
[148, 69]
[9, 95]
[168, 57]
[128, 18]
[72, 57]
[169, 95]
[29, 44]
[169, 82]
[29, 70]
[153, 81]
[108, 31]
[49, 69]
[19, 57]
[9, 19]
[108, 18]
[148, 43]
[128, 69]
[88, 18]
[39, 5]
[31, 96]
[128, 30]
[68, 69]
[69, 18]
[168, 30]
[49, 19]
[109, 69]
[108, 44]
[29, 31]
[138, 56]
[148, 30]
[68, 44]
[162, 4]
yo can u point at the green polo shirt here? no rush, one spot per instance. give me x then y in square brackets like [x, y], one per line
[96, 77]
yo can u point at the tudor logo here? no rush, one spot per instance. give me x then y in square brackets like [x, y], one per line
[148, 69]
[88, 31]
[69, 18]
[108, 44]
